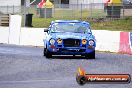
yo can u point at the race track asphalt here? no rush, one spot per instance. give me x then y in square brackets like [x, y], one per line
[26, 67]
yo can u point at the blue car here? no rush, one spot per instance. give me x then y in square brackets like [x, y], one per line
[69, 37]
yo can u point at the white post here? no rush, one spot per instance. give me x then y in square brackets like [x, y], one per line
[24, 12]
[14, 29]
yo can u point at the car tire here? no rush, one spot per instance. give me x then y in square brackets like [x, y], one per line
[47, 53]
[90, 55]
[44, 52]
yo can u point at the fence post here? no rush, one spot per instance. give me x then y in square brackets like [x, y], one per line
[71, 6]
[91, 10]
[45, 12]
[62, 5]
[13, 9]
[112, 11]
[81, 11]
[53, 11]
[24, 12]
[77, 4]
[123, 11]
[7, 9]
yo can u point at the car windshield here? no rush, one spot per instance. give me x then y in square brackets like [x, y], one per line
[70, 27]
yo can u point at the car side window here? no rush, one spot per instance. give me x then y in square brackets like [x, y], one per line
[52, 29]
[49, 29]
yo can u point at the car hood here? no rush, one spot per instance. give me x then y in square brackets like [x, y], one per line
[70, 35]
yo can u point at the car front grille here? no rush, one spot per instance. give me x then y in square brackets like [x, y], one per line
[71, 42]
[66, 50]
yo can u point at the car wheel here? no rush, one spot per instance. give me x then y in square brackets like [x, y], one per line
[44, 52]
[90, 55]
[47, 53]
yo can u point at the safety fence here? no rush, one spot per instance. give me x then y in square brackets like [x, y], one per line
[73, 11]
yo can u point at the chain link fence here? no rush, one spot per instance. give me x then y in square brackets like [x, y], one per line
[82, 11]
[69, 11]
[93, 10]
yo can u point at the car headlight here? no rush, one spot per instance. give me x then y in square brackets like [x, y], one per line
[84, 41]
[59, 40]
[52, 41]
[91, 42]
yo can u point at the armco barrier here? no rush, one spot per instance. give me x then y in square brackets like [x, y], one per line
[125, 42]
[106, 40]
[113, 41]
[27, 36]
[32, 36]
[4, 34]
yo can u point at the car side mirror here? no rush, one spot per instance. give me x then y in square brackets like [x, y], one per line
[45, 30]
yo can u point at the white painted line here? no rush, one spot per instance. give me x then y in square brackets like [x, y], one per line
[33, 81]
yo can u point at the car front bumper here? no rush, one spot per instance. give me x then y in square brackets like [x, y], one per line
[71, 50]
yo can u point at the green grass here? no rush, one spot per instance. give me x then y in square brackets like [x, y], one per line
[71, 14]
[114, 25]
[43, 23]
